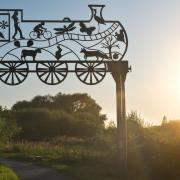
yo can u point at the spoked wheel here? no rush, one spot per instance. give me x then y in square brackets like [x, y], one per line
[52, 73]
[91, 73]
[33, 35]
[47, 34]
[13, 73]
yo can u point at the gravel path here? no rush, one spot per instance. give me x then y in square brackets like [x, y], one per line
[30, 171]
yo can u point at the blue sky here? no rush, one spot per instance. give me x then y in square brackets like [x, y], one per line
[153, 28]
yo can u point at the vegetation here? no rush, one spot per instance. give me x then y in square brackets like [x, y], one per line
[8, 126]
[45, 117]
[67, 132]
[6, 173]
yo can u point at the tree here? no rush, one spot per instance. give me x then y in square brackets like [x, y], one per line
[70, 103]
[37, 101]
[42, 101]
[76, 103]
[110, 43]
[135, 127]
[8, 126]
[50, 116]
[20, 105]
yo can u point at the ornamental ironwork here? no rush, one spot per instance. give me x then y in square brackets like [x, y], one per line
[54, 48]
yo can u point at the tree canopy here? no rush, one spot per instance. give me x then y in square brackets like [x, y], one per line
[63, 114]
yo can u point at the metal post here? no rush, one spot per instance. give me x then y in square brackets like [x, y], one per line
[121, 125]
[119, 71]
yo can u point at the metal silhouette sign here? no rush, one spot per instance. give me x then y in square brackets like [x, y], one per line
[54, 48]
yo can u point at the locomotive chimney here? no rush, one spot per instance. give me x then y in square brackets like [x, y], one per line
[98, 9]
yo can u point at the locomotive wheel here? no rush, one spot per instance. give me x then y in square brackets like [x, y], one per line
[91, 73]
[52, 73]
[13, 73]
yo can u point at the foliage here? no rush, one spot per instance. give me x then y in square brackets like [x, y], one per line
[153, 152]
[72, 138]
[8, 126]
[69, 103]
[38, 124]
[135, 128]
[48, 116]
[6, 173]
[71, 155]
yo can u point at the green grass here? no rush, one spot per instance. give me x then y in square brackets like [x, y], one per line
[80, 161]
[147, 159]
[6, 173]
[83, 161]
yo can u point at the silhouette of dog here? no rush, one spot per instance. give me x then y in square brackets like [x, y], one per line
[97, 54]
[31, 53]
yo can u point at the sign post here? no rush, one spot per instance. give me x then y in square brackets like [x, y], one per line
[119, 71]
[53, 48]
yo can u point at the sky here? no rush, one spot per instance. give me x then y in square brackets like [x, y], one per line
[153, 28]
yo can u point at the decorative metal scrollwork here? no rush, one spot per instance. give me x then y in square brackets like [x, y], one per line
[54, 48]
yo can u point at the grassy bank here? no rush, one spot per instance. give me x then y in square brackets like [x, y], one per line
[79, 160]
[6, 173]
[153, 153]
[83, 161]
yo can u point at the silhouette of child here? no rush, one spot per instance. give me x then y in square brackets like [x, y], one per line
[39, 29]
[58, 53]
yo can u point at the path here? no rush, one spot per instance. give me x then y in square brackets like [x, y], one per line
[30, 171]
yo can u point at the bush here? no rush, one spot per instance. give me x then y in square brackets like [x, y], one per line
[8, 128]
[41, 124]
[7, 174]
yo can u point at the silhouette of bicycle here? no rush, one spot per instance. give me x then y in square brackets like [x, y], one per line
[45, 34]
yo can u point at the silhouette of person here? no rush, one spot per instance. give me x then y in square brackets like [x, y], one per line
[39, 29]
[58, 53]
[16, 25]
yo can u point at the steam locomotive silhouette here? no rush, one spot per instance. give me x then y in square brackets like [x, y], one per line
[54, 48]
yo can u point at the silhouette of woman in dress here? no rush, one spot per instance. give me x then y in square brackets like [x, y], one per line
[16, 25]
